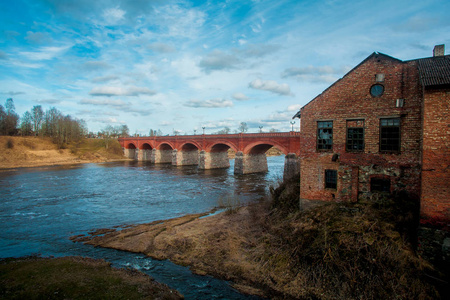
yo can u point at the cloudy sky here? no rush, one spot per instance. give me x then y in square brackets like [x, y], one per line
[183, 65]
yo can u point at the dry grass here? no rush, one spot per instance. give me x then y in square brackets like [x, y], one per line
[16, 152]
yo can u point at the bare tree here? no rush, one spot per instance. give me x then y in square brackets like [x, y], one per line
[243, 127]
[155, 132]
[37, 116]
[11, 118]
[124, 131]
[226, 130]
[26, 125]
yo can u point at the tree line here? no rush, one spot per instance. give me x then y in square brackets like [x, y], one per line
[52, 123]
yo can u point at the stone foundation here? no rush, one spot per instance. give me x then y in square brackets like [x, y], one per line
[213, 160]
[161, 156]
[185, 158]
[145, 155]
[291, 166]
[131, 153]
[250, 163]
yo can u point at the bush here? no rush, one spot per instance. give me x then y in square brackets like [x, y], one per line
[285, 198]
[115, 148]
[9, 144]
[346, 250]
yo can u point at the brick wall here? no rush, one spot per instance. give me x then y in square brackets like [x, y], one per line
[350, 99]
[435, 197]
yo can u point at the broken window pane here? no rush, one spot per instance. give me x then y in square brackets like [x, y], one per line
[324, 135]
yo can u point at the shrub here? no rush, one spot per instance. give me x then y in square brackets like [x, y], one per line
[347, 251]
[9, 144]
[285, 198]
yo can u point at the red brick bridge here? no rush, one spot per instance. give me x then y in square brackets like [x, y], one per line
[210, 151]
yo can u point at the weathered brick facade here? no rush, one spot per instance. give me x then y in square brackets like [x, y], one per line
[379, 123]
[435, 198]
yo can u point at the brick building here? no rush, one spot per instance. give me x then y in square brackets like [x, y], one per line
[384, 126]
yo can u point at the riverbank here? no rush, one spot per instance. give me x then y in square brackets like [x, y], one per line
[76, 278]
[332, 251]
[25, 152]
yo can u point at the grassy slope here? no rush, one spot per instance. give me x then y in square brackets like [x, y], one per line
[76, 278]
[36, 151]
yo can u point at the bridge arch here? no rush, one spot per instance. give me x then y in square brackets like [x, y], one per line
[131, 150]
[162, 153]
[262, 146]
[190, 146]
[187, 154]
[146, 146]
[145, 152]
[165, 146]
[130, 145]
[218, 146]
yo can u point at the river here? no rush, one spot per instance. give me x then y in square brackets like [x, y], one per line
[40, 208]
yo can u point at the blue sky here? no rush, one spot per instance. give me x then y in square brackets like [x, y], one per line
[184, 65]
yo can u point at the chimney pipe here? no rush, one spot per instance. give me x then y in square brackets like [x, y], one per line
[439, 50]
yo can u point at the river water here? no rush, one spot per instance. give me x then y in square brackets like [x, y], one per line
[40, 208]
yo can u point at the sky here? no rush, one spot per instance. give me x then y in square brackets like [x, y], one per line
[184, 65]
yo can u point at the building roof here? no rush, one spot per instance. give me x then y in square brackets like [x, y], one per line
[434, 71]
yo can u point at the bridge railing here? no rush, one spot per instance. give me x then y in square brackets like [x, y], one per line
[215, 136]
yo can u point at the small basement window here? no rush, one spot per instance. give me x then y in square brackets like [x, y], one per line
[380, 185]
[330, 179]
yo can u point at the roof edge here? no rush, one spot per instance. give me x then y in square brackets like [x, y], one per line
[345, 75]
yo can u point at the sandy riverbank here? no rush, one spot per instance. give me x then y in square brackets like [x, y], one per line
[221, 245]
[25, 152]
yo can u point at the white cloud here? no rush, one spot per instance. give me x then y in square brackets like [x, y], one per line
[104, 102]
[38, 37]
[119, 91]
[49, 101]
[271, 86]
[162, 47]
[96, 65]
[326, 74]
[219, 60]
[240, 97]
[294, 107]
[213, 103]
[186, 67]
[113, 15]
[180, 22]
[105, 78]
[44, 53]
[166, 123]
[110, 120]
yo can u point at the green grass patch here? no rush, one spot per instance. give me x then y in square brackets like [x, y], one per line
[75, 278]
